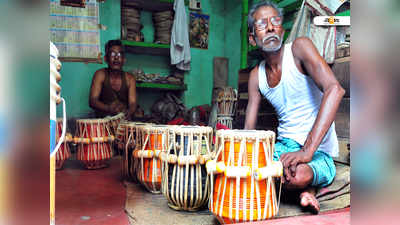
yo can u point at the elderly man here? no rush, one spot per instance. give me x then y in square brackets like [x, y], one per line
[305, 94]
[113, 90]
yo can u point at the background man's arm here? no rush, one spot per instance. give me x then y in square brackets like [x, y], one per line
[253, 102]
[305, 51]
[95, 90]
[132, 96]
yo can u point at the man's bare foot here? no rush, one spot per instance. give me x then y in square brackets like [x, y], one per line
[309, 200]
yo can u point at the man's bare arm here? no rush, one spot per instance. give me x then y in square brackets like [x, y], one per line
[132, 95]
[95, 90]
[305, 51]
[253, 102]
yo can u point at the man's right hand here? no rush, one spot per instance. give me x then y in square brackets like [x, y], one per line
[116, 107]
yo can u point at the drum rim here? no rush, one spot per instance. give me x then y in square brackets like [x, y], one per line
[137, 124]
[247, 134]
[191, 129]
[89, 121]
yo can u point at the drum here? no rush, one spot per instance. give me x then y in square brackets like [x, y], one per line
[130, 143]
[120, 134]
[244, 187]
[225, 120]
[185, 182]
[148, 164]
[226, 101]
[64, 152]
[94, 138]
[114, 121]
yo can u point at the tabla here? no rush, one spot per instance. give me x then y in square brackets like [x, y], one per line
[120, 134]
[114, 121]
[148, 169]
[244, 187]
[185, 182]
[64, 152]
[94, 138]
[130, 140]
[225, 120]
[226, 101]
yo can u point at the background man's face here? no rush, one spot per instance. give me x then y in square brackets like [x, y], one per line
[270, 38]
[116, 57]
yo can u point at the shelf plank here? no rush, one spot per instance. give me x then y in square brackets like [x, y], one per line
[146, 48]
[150, 5]
[159, 86]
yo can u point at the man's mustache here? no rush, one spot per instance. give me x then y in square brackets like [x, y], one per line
[271, 36]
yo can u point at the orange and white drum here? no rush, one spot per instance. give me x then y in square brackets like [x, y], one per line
[94, 138]
[244, 187]
[185, 182]
[148, 170]
[64, 152]
[130, 143]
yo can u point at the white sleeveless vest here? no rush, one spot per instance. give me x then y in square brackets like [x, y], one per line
[297, 100]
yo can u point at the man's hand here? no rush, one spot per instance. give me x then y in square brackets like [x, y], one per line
[291, 160]
[116, 107]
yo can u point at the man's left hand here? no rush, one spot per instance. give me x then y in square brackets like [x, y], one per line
[292, 159]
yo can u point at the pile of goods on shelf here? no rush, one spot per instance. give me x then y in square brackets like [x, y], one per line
[141, 76]
[162, 26]
[130, 24]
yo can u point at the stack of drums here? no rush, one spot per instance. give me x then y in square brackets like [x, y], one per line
[131, 140]
[185, 182]
[226, 105]
[64, 152]
[162, 26]
[244, 188]
[146, 159]
[94, 138]
[130, 24]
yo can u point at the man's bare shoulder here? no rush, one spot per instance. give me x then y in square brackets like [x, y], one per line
[100, 74]
[301, 44]
[130, 77]
[254, 73]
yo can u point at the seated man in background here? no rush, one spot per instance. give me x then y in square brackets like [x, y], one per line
[113, 90]
[305, 94]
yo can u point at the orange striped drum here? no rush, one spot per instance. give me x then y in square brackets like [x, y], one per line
[148, 170]
[64, 152]
[129, 139]
[244, 188]
[94, 138]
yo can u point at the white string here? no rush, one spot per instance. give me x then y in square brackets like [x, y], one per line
[61, 140]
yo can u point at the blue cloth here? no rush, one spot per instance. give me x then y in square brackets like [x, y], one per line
[322, 164]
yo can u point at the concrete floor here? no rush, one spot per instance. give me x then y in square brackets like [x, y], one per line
[97, 197]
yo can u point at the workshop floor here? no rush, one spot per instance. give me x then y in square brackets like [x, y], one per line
[97, 197]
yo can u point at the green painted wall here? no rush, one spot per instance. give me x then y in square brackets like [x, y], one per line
[233, 10]
[224, 41]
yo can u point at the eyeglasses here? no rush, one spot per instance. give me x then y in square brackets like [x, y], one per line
[261, 24]
[119, 54]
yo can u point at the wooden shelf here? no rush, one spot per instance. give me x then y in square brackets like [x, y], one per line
[150, 5]
[160, 86]
[146, 48]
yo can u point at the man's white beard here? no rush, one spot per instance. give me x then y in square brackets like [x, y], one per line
[269, 48]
